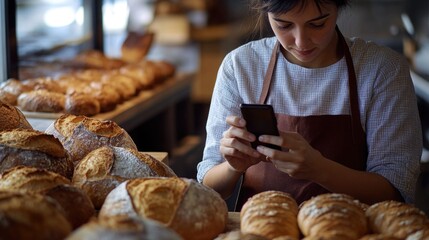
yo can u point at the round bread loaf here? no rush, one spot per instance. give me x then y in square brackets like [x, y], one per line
[11, 118]
[105, 168]
[332, 213]
[123, 227]
[81, 135]
[76, 204]
[14, 87]
[191, 209]
[78, 103]
[41, 101]
[32, 148]
[270, 214]
[31, 216]
[396, 219]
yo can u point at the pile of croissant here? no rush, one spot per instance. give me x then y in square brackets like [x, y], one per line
[331, 216]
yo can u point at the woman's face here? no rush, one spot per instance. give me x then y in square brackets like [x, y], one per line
[307, 34]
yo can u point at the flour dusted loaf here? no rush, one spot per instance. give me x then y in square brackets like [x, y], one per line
[80, 135]
[333, 214]
[11, 118]
[191, 209]
[31, 216]
[123, 227]
[270, 214]
[396, 219]
[33, 148]
[105, 168]
[76, 204]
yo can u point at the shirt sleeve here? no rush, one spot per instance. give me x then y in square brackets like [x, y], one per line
[393, 129]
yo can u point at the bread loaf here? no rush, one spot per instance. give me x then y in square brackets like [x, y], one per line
[191, 209]
[31, 216]
[238, 235]
[14, 87]
[34, 149]
[80, 135]
[270, 214]
[123, 227]
[332, 213]
[78, 103]
[396, 219]
[76, 204]
[105, 168]
[41, 101]
[8, 97]
[11, 118]
[136, 46]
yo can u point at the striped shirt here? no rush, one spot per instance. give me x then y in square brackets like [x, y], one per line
[387, 102]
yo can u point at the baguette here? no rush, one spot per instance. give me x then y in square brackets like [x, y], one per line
[270, 214]
[191, 209]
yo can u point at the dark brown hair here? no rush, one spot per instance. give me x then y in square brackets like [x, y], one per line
[263, 7]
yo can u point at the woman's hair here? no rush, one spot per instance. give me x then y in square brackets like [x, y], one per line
[263, 7]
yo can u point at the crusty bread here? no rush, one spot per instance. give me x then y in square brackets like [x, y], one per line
[136, 46]
[44, 83]
[332, 213]
[79, 103]
[80, 135]
[396, 218]
[105, 94]
[35, 149]
[11, 118]
[94, 59]
[105, 168]
[193, 210]
[143, 73]
[8, 97]
[41, 101]
[77, 206]
[31, 216]
[127, 87]
[14, 87]
[123, 227]
[270, 214]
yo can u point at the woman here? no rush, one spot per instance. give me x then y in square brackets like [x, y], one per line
[346, 110]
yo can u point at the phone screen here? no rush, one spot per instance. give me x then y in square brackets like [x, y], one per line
[260, 120]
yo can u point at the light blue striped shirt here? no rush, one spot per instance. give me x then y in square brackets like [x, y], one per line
[387, 102]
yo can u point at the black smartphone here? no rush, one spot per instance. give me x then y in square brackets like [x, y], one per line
[260, 120]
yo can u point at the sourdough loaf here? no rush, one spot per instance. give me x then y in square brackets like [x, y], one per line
[270, 214]
[11, 118]
[332, 213]
[80, 135]
[31, 216]
[191, 209]
[123, 227]
[14, 87]
[105, 168]
[79, 103]
[34, 149]
[41, 101]
[396, 219]
[77, 206]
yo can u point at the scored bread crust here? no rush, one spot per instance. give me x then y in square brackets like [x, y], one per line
[31, 216]
[77, 206]
[104, 168]
[270, 214]
[333, 212]
[11, 118]
[396, 218]
[190, 208]
[35, 149]
[81, 135]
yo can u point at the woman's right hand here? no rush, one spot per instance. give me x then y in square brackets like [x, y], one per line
[235, 145]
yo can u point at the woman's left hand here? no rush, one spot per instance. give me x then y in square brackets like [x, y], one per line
[298, 159]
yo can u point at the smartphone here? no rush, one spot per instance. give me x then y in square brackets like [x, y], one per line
[260, 120]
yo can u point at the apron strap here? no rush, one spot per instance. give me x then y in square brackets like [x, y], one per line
[268, 75]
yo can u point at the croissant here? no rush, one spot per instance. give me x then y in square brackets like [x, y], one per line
[337, 216]
[270, 214]
[396, 218]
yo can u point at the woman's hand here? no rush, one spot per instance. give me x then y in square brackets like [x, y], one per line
[235, 145]
[300, 161]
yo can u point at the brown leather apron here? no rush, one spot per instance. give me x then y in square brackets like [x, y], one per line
[338, 137]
